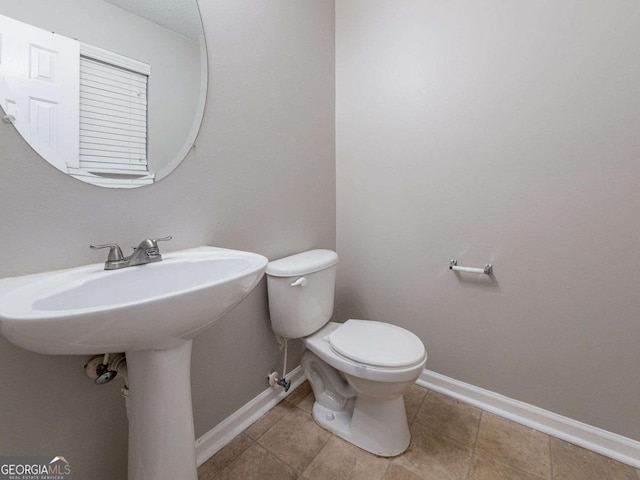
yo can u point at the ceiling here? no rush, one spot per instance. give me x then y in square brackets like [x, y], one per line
[180, 16]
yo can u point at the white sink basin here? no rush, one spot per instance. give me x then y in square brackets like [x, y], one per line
[88, 310]
[151, 312]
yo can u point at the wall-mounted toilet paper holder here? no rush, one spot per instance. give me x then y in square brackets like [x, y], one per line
[487, 269]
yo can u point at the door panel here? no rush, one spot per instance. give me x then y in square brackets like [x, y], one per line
[40, 76]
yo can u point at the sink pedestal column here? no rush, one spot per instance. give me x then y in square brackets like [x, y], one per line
[161, 435]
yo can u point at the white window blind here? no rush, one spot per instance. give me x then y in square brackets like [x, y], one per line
[113, 117]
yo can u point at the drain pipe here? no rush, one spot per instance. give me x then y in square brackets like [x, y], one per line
[104, 368]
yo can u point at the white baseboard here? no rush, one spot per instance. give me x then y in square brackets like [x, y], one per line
[220, 435]
[606, 443]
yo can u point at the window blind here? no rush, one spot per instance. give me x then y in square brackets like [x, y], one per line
[113, 118]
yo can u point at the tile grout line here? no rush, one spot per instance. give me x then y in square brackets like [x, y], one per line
[254, 442]
[272, 454]
[279, 460]
[386, 470]
[499, 460]
[415, 415]
[505, 462]
[319, 450]
[551, 459]
[237, 457]
[293, 408]
[512, 467]
[475, 444]
[299, 472]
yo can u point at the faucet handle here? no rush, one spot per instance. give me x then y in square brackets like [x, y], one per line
[115, 259]
[152, 242]
[163, 239]
[147, 251]
[115, 252]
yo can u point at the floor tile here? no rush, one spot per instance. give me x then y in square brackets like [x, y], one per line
[575, 463]
[339, 459]
[224, 457]
[255, 463]
[395, 472]
[432, 456]
[412, 400]
[298, 394]
[296, 439]
[521, 447]
[450, 417]
[268, 420]
[487, 468]
[306, 404]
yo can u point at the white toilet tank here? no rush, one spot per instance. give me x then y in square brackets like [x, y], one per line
[301, 292]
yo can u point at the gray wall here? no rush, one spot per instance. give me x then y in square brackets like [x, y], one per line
[262, 178]
[502, 132]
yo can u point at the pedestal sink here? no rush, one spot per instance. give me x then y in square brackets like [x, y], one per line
[152, 312]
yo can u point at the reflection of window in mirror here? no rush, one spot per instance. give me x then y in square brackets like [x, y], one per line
[113, 118]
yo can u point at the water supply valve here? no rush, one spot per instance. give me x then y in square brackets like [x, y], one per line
[274, 379]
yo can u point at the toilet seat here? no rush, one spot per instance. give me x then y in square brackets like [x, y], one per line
[318, 343]
[377, 344]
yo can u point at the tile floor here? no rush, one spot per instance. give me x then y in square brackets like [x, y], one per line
[450, 440]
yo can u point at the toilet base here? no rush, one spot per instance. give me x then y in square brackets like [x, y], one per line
[369, 414]
[377, 426]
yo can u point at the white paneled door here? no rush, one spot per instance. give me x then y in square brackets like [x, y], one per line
[39, 88]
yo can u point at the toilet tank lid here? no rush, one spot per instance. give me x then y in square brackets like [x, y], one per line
[302, 263]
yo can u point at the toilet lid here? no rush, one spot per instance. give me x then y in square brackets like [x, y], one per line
[377, 344]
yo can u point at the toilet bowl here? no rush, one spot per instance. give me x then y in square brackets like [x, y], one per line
[359, 402]
[358, 370]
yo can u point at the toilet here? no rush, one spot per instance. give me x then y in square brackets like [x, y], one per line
[359, 369]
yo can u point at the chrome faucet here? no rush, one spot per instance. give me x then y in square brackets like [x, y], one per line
[146, 252]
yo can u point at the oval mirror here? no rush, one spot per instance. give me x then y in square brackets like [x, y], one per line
[110, 92]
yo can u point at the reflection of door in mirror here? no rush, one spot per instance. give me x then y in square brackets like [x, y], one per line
[82, 108]
[39, 88]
